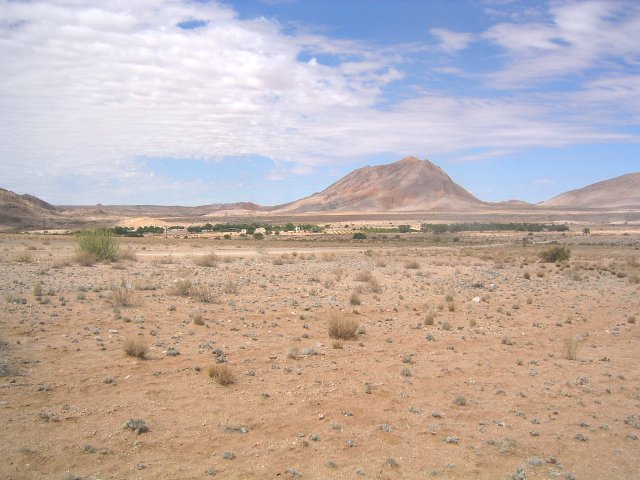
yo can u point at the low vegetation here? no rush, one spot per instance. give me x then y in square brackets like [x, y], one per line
[222, 375]
[99, 243]
[342, 328]
[555, 254]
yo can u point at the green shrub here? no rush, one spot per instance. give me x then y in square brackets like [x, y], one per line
[555, 254]
[359, 236]
[100, 243]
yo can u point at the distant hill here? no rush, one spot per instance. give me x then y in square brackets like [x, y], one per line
[618, 192]
[406, 185]
[24, 211]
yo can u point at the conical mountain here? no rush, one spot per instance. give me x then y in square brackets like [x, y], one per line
[618, 192]
[407, 185]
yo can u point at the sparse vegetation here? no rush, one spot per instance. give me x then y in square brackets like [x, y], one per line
[222, 375]
[138, 425]
[100, 243]
[123, 297]
[555, 254]
[571, 347]
[135, 348]
[342, 328]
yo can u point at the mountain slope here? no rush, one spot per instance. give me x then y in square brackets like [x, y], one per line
[618, 192]
[24, 211]
[406, 185]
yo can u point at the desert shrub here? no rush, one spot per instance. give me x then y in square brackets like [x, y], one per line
[230, 287]
[428, 320]
[221, 374]
[355, 299]
[127, 254]
[134, 347]
[24, 257]
[359, 236]
[4, 368]
[37, 289]
[258, 236]
[342, 328]
[209, 260]
[460, 401]
[181, 288]
[412, 265]
[571, 348]
[100, 243]
[138, 425]
[555, 254]
[84, 259]
[203, 293]
[122, 297]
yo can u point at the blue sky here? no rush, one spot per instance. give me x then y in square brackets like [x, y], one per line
[196, 102]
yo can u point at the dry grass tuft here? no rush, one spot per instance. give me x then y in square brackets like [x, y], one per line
[84, 259]
[222, 375]
[24, 257]
[134, 347]
[203, 293]
[123, 297]
[127, 254]
[209, 260]
[342, 328]
[181, 287]
[571, 347]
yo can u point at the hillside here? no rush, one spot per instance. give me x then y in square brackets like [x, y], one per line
[404, 186]
[618, 192]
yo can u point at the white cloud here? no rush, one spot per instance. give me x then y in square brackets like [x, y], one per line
[451, 41]
[543, 181]
[575, 37]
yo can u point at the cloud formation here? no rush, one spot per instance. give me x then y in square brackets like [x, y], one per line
[88, 92]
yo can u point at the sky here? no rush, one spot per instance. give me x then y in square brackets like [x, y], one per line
[193, 102]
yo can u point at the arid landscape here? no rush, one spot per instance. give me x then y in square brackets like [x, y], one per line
[472, 357]
[280, 239]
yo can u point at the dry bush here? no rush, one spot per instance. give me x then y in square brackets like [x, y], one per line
[61, 262]
[203, 293]
[122, 297]
[555, 254]
[355, 299]
[37, 289]
[221, 374]
[4, 367]
[24, 257]
[230, 287]
[84, 259]
[412, 265]
[127, 254]
[209, 260]
[342, 328]
[428, 320]
[181, 288]
[571, 347]
[365, 276]
[134, 347]
[196, 316]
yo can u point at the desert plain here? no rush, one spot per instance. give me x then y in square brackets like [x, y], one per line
[472, 358]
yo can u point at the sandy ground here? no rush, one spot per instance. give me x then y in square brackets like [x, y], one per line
[484, 392]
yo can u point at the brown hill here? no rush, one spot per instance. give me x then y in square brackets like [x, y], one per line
[406, 185]
[618, 192]
[24, 211]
